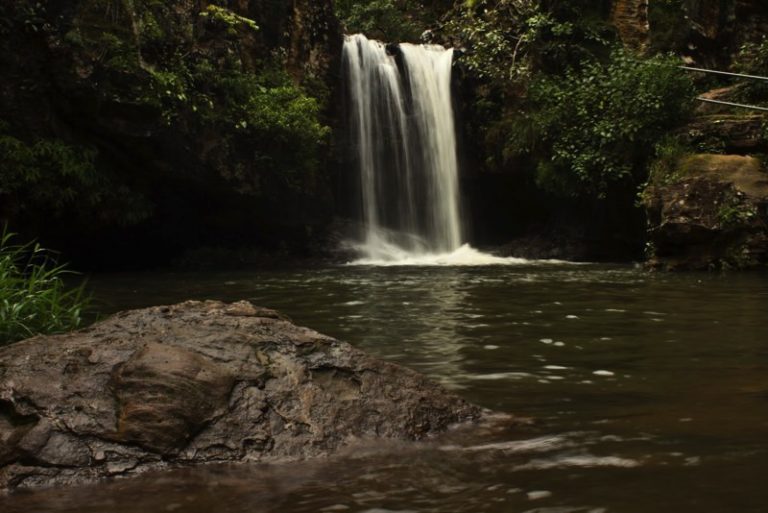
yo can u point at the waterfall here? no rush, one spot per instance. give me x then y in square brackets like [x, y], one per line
[404, 139]
[405, 147]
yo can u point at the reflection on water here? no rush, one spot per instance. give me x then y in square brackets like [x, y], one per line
[649, 392]
[441, 340]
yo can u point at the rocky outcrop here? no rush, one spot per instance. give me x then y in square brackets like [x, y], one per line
[729, 133]
[307, 30]
[630, 17]
[711, 214]
[198, 383]
[707, 32]
[733, 94]
[727, 20]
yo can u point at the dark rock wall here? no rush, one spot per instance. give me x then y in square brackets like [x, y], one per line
[708, 32]
[630, 17]
[709, 211]
[711, 214]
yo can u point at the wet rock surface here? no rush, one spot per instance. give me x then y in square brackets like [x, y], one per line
[194, 383]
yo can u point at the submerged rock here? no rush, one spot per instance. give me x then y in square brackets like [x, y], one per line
[712, 213]
[198, 382]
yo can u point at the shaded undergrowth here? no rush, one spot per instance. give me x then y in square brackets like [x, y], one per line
[34, 295]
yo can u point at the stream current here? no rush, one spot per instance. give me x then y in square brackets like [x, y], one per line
[647, 393]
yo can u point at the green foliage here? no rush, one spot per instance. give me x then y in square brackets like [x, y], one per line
[228, 18]
[29, 15]
[153, 59]
[509, 40]
[126, 111]
[518, 51]
[266, 112]
[387, 20]
[498, 38]
[753, 57]
[34, 298]
[734, 211]
[51, 176]
[595, 124]
[666, 168]
[263, 114]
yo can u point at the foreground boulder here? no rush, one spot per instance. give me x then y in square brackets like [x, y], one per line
[711, 213]
[198, 382]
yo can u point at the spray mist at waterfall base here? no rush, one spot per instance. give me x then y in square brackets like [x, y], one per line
[463, 256]
[379, 250]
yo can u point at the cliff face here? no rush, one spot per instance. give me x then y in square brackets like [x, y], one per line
[711, 214]
[708, 32]
[166, 124]
[308, 30]
[708, 212]
[630, 17]
[504, 181]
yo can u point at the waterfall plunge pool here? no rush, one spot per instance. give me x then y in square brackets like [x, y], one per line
[648, 392]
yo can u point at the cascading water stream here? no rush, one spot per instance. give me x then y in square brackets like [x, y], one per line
[403, 129]
[406, 148]
[429, 73]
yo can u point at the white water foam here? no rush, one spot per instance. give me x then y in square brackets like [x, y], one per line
[580, 461]
[392, 255]
[381, 251]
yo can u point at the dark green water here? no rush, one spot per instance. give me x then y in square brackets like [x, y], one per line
[649, 392]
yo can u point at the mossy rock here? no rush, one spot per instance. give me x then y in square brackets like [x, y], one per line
[714, 216]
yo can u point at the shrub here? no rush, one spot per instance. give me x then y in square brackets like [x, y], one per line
[47, 176]
[34, 298]
[387, 20]
[595, 126]
[228, 18]
[266, 116]
[509, 40]
[666, 167]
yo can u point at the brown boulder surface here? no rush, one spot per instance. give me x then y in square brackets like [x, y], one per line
[735, 133]
[198, 382]
[630, 17]
[713, 215]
